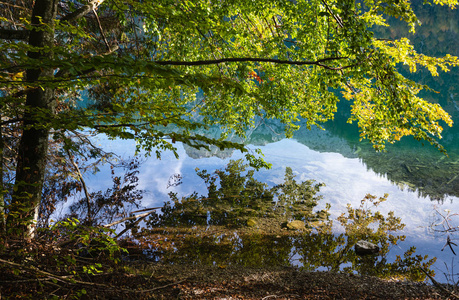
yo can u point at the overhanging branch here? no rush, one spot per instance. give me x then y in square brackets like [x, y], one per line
[319, 62]
[119, 125]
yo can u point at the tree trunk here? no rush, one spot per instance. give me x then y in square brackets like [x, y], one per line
[33, 146]
[2, 188]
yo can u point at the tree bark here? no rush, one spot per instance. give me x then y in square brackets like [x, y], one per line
[2, 199]
[33, 146]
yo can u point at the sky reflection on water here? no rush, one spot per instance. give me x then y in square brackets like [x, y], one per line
[347, 181]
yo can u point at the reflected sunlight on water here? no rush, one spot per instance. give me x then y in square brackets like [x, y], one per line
[347, 182]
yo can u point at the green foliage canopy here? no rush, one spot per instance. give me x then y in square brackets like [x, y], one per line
[161, 62]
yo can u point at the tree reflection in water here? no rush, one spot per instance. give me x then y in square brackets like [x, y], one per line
[242, 221]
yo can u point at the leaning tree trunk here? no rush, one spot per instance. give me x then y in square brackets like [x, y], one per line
[33, 146]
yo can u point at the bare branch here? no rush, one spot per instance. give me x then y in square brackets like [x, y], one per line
[101, 30]
[141, 217]
[15, 6]
[150, 210]
[82, 11]
[85, 188]
[70, 280]
[438, 285]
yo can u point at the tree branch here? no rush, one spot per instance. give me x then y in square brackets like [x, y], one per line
[150, 210]
[337, 18]
[63, 72]
[15, 6]
[70, 280]
[85, 188]
[101, 30]
[119, 125]
[438, 285]
[318, 62]
[140, 218]
[82, 11]
[12, 34]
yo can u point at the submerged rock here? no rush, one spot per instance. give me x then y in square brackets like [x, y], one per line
[365, 248]
[295, 225]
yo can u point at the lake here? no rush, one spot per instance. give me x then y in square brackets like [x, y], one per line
[420, 181]
[347, 178]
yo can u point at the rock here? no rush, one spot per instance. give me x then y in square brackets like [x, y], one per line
[296, 225]
[365, 248]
